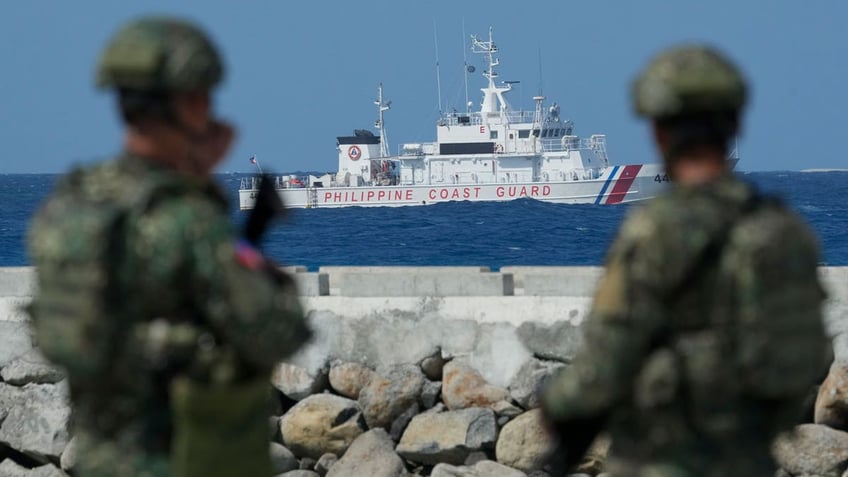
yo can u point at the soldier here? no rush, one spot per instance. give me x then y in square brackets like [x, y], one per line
[167, 325]
[705, 332]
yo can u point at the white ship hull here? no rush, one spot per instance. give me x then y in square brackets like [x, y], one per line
[618, 184]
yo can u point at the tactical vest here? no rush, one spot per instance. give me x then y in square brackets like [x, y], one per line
[761, 340]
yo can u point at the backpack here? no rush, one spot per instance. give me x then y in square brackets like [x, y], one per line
[766, 344]
[77, 246]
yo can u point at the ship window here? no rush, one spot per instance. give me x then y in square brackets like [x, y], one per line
[535, 133]
[545, 133]
[556, 132]
[523, 133]
[510, 135]
[493, 134]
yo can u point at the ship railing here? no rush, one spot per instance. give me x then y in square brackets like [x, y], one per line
[249, 183]
[476, 118]
[596, 143]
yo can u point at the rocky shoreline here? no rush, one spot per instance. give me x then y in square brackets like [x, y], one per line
[437, 418]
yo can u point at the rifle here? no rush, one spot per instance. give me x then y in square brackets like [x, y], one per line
[268, 205]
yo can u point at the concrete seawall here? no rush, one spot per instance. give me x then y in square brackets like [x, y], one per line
[411, 356]
[495, 321]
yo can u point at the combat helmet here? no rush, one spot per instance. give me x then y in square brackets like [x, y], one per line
[688, 80]
[160, 54]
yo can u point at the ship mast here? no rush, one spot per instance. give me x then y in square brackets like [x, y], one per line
[381, 107]
[492, 95]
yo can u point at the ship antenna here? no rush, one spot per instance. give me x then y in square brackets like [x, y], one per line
[380, 125]
[465, 67]
[540, 71]
[438, 74]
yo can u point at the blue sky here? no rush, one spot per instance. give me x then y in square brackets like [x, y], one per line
[301, 73]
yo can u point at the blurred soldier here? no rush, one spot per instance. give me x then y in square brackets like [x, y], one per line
[167, 325]
[705, 333]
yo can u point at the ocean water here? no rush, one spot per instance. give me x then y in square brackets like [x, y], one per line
[521, 232]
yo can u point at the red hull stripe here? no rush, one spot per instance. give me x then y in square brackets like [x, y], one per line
[622, 185]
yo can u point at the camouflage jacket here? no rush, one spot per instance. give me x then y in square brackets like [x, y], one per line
[704, 335]
[190, 314]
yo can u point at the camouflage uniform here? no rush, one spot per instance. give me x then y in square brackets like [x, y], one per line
[169, 373]
[705, 332]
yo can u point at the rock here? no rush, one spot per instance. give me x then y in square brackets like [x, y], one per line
[307, 463]
[371, 455]
[15, 340]
[297, 383]
[8, 468]
[832, 402]
[432, 366]
[484, 468]
[299, 473]
[488, 468]
[559, 341]
[529, 379]
[325, 463]
[48, 470]
[348, 379]
[69, 455]
[430, 393]
[463, 387]
[475, 457]
[321, 423]
[282, 459]
[506, 409]
[37, 419]
[400, 422]
[448, 437]
[523, 442]
[812, 449]
[391, 395]
[31, 367]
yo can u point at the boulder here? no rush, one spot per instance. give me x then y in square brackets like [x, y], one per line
[37, 419]
[299, 473]
[282, 459]
[595, 458]
[69, 455]
[430, 393]
[348, 379]
[432, 366]
[524, 443]
[297, 383]
[485, 468]
[832, 400]
[529, 379]
[15, 340]
[463, 387]
[31, 367]
[371, 455]
[448, 437]
[325, 463]
[8, 468]
[321, 423]
[812, 449]
[48, 470]
[391, 395]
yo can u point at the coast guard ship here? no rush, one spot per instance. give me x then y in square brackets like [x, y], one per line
[494, 154]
